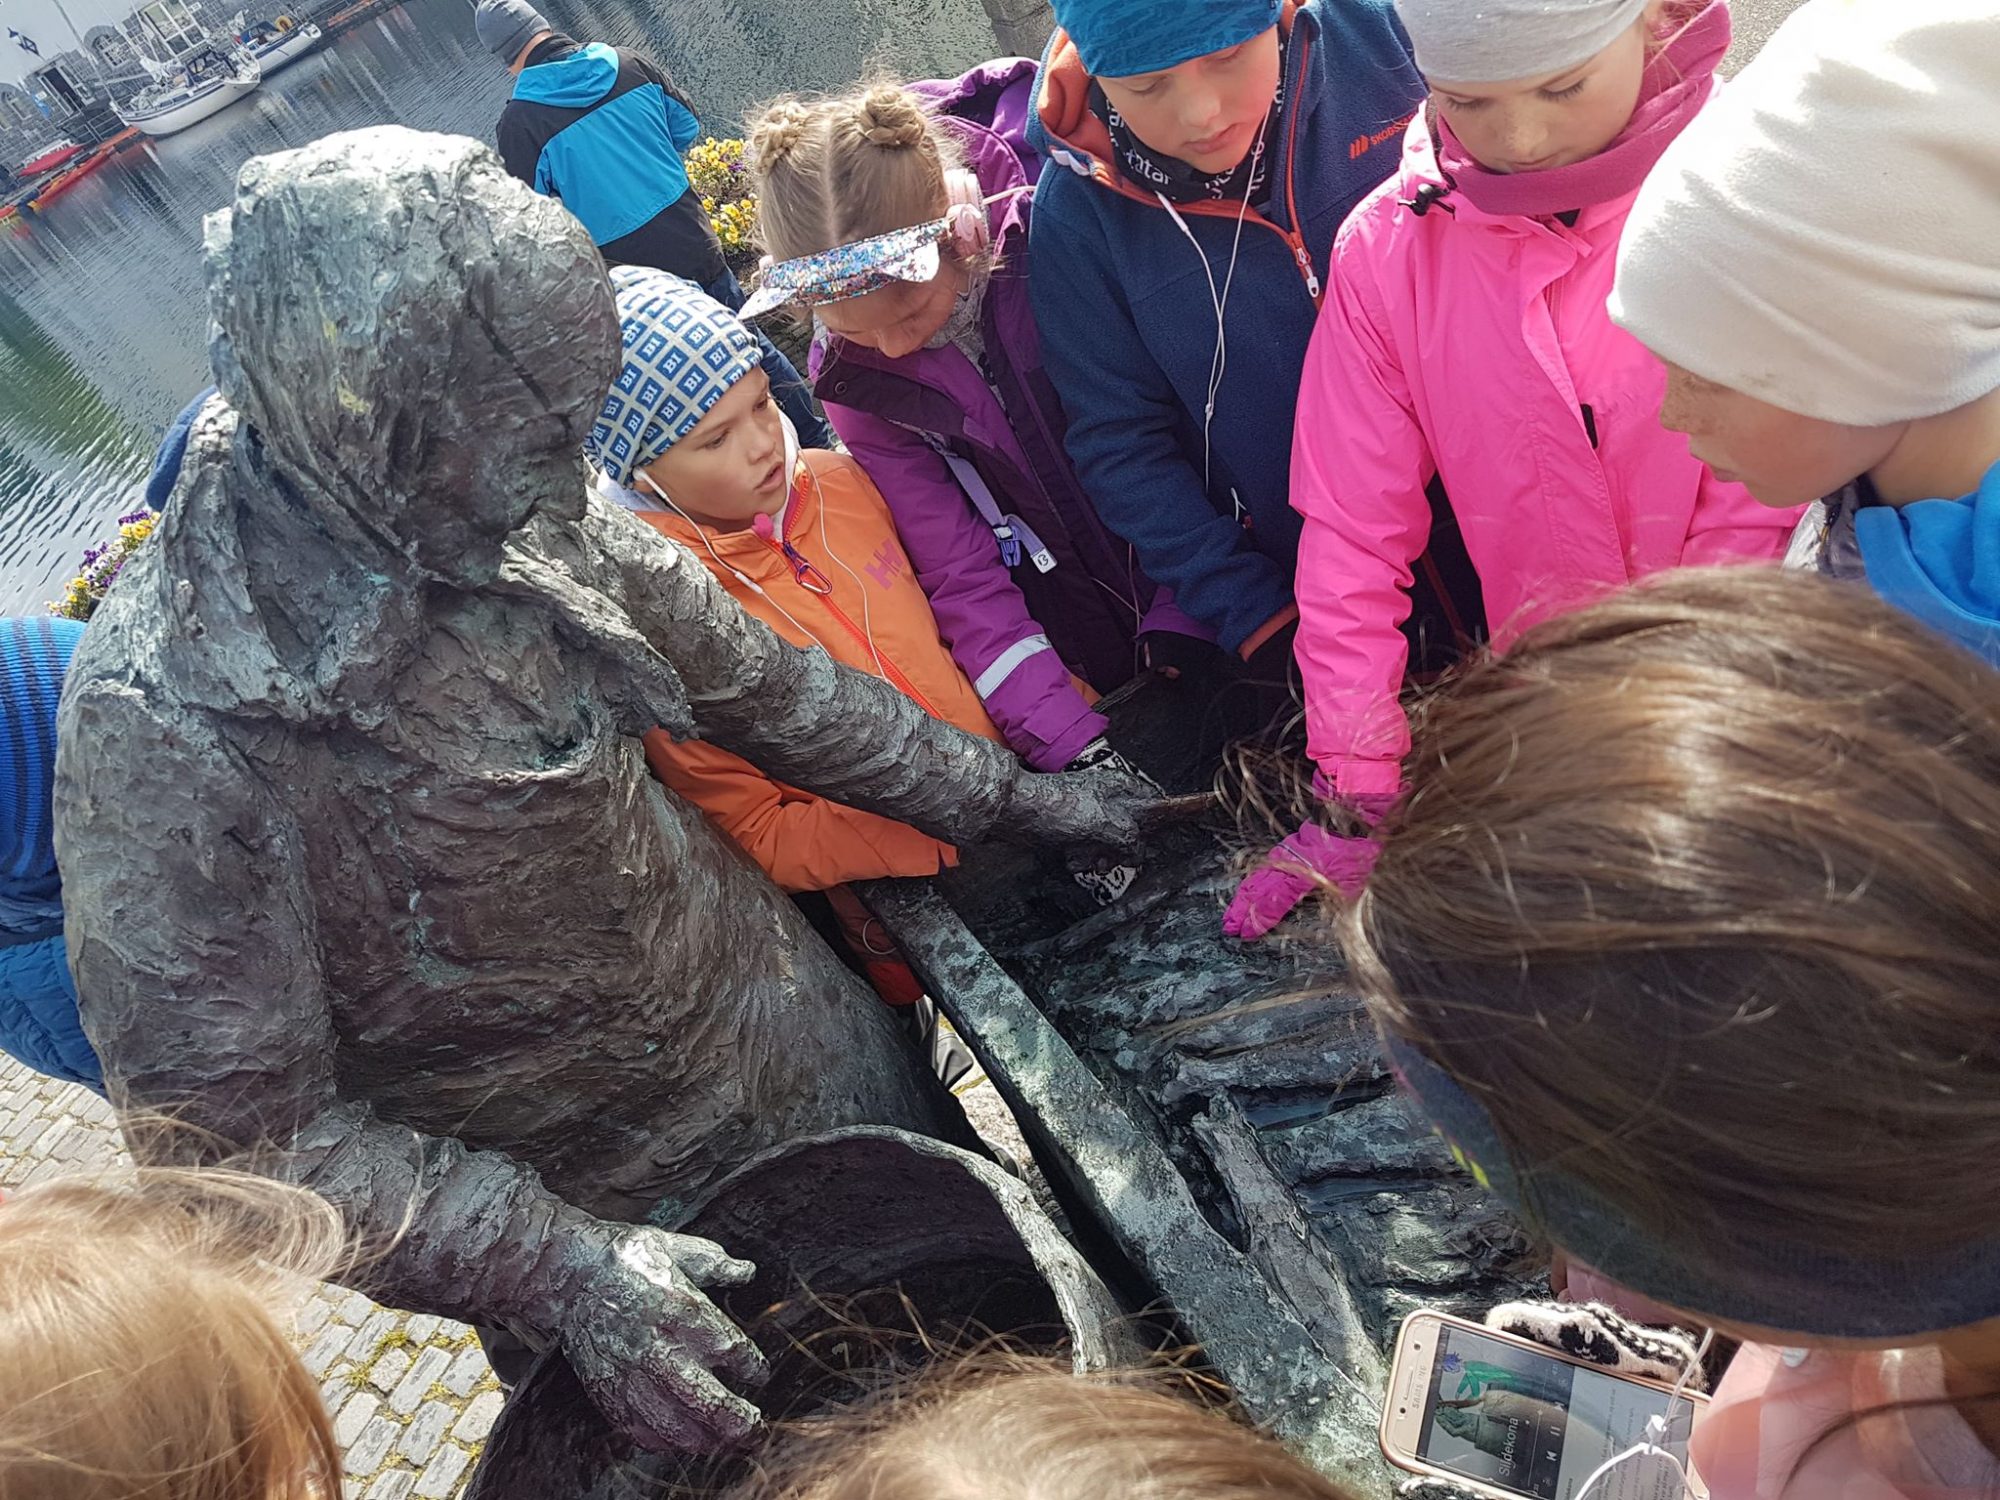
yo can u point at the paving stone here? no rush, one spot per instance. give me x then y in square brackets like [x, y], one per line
[479, 1416]
[389, 1369]
[466, 1372]
[425, 1431]
[355, 1415]
[368, 1337]
[416, 1385]
[422, 1327]
[394, 1485]
[442, 1474]
[310, 1318]
[356, 1308]
[324, 1350]
[365, 1453]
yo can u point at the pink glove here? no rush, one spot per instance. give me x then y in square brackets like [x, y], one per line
[1306, 860]
[1311, 857]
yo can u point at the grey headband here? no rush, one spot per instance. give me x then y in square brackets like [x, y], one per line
[1492, 41]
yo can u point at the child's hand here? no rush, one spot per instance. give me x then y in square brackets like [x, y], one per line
[1311, 858]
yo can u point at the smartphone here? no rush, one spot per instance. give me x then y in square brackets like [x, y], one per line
[1506, 1417]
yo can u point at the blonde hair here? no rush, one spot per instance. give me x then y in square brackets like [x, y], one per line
[1015, 1428]
[829, 171]
[143, 1358]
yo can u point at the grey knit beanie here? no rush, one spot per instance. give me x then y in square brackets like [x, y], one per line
[1495, 41]
[505, 26]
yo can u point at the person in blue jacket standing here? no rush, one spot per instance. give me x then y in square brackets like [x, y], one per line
[39, 1024]
[1199, 158]
[604, 129]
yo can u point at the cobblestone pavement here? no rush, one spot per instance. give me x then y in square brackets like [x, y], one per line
[411, 1396]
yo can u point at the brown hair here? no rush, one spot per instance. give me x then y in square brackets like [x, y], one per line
[1697, 891]
[1014, 1428]
[832, 170]
[143, 1360]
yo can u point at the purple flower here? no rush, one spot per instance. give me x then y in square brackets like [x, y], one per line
[137, 515]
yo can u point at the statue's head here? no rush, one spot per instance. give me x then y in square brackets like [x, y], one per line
[414, 337]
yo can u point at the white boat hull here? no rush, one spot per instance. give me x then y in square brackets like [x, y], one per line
[178, 117]
[295, 45]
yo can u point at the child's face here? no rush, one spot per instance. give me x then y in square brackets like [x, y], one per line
[1534, 124]
[730, 468]
[1782, 458]
[898, 319]
[1208, 111]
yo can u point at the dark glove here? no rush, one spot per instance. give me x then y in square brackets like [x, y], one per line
[649, 1346]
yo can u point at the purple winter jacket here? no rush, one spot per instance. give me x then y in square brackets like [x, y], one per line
[1018, 633]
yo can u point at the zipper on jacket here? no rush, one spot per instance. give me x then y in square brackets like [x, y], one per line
[801, 566]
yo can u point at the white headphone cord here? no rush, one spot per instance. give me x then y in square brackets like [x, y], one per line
[1218, 365]
[734, 572]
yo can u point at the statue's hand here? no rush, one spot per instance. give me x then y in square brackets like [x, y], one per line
[1107, 809]
[653, 1351]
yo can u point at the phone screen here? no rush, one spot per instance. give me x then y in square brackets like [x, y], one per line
[1526, 1422]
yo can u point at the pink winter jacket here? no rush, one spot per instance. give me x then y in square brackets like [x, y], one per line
[1476, 347]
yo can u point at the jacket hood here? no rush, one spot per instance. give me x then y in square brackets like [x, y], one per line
[990, 108]
[575, 80]
[1066, 130]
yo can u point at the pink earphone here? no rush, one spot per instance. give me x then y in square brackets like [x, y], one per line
[966, 210]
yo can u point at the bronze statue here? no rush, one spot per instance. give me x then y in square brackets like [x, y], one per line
[363, 865]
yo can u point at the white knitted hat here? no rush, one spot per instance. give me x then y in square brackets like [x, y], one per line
[1493, 41]
[1825, 236]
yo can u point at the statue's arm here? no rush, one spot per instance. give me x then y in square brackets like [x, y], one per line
[196, 953]
[804, 720]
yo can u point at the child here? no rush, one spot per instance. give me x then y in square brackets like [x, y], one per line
[1684, 938]
[143, 1358]
[932, 375]
[1200, 156]
[1464, 338]
[691, 441]
[1026, 1430]
[1814, 261]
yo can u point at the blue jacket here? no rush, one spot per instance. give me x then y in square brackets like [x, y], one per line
[1128, 323]
[38, 1011]
[1940, 561]
[603, 130]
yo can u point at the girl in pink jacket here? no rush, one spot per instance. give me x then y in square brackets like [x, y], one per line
[1464, 338]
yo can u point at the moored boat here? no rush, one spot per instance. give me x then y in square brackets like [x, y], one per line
[275, 49]
[204, 83]
[58, 155]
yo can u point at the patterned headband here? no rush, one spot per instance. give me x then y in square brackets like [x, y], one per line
[863, 266]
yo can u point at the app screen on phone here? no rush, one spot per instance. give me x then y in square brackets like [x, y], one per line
[1511, 1417]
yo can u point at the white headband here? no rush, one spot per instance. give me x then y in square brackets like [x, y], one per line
[1492, 41]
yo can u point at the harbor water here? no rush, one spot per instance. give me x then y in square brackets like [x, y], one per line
[103, 316]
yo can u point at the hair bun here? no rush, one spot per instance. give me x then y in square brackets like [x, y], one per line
[777, 134]
[891, 118]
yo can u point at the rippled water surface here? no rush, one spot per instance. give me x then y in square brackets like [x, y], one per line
[102, 314]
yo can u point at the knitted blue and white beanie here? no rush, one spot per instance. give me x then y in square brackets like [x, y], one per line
[683, 352]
